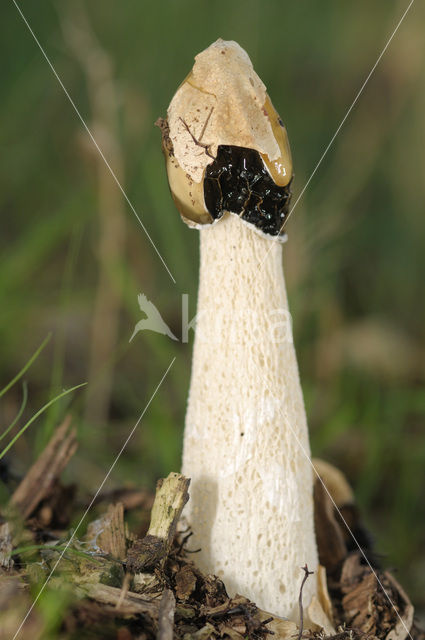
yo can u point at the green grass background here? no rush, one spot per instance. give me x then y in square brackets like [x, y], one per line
[354, 263]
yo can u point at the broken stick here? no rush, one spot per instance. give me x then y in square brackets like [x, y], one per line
[150, 553]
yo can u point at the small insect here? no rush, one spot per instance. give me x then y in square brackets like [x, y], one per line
[226, 147]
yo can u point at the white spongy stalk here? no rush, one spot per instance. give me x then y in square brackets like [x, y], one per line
[246, 445]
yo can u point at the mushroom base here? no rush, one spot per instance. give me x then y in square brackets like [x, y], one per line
[246, 443]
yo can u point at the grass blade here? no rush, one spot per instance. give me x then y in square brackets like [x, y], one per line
[58, 549]
[36, 415]
[26, 366]
[20, 412]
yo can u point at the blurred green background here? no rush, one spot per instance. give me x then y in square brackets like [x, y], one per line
[74, 257]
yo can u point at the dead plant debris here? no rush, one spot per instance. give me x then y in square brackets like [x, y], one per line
[122, 586]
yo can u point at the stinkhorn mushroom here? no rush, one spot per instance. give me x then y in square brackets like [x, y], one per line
[246, 446]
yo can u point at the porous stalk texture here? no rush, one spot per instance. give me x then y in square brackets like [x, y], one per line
[246, 440]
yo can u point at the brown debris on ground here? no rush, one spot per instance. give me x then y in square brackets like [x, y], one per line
[122, 587]
[40, 479]
[364, 597]
[368, 598]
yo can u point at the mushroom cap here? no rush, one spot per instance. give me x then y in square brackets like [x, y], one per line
[223, 104]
